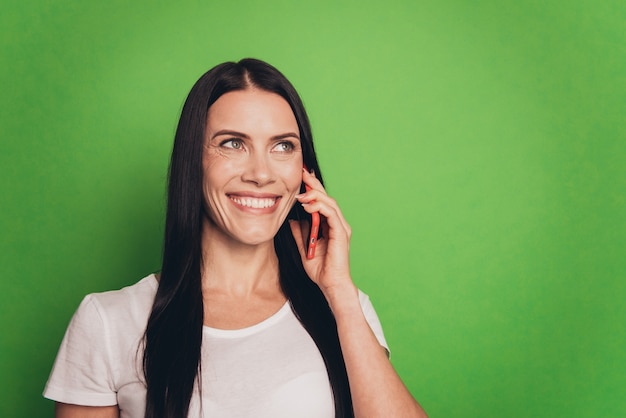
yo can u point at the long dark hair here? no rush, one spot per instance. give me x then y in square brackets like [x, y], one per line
[173, 337]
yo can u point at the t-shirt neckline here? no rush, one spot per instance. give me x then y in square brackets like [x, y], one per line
[253, 329]
[242, 332]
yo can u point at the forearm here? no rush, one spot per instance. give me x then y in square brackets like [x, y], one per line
[376, 388]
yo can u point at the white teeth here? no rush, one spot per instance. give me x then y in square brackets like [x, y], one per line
[253, 202]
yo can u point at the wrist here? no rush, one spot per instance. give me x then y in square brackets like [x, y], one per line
[342, 297]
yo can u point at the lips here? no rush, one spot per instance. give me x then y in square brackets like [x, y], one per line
[254, 202]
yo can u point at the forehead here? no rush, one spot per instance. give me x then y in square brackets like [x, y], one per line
[251, 110]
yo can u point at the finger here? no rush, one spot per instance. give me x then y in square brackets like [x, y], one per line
[325, 228]
[310, 180]
[332, 214]
[315, 195]
[314, 201]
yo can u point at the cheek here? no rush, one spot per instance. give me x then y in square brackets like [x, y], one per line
[212, 179]
[217, 169]
[293, 177]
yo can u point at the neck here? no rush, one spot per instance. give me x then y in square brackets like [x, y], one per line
[235, 269]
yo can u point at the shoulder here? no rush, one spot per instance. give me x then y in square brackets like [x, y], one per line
[125, 309]
[98, 353]
[128, 299]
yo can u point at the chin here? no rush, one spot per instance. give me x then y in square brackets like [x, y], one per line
[246, 232]
[253, 238]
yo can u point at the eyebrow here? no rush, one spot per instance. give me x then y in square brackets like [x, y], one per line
[245, 136]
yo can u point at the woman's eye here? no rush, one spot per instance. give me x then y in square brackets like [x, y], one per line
[233, 144]
[284, 147]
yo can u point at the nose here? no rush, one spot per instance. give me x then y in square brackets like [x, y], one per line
[258, 170]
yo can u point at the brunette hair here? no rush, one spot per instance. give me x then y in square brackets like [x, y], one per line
[173, 337]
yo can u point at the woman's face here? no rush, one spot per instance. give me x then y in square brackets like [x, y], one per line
[252, 164]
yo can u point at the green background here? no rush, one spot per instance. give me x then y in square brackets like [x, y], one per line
[477, 148]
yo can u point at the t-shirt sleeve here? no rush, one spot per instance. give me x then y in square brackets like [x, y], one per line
[372, 320]
[82, 373]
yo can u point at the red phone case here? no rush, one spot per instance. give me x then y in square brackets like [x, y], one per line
[315, 229]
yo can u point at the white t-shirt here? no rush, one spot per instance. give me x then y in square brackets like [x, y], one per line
[271, 369]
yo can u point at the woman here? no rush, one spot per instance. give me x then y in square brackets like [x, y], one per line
[239, 322]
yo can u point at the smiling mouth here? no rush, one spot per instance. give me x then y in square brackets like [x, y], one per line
[255, 203]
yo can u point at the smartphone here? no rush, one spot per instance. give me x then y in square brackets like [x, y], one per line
[311, 241]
